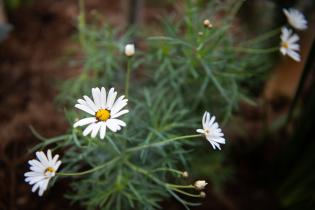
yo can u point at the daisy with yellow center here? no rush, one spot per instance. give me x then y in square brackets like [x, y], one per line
[211, 131]
[104, 111]
[289, 45]
[42, 170]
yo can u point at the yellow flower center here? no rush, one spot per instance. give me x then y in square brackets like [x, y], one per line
[102, 114]
[49, 170]
[285, 45]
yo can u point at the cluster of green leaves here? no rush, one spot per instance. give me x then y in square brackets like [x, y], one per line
[183, 73]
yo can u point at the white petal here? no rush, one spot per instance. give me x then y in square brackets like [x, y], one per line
[215, 144]
[90, 103]
[115, 124]
[36, 163]
[96, 93]
[49, 156]
[55, 159]
[111, 98]
[56, 166]
[85, 108]
[95, 130]
[103, 98]
[295, 56]
[103, 130]
[220, 140]
[119, 104]
[32, 174]
[35, 186]
[42, 158]
[119, 113]
[88, 129]
[200, 131]
[84, 121]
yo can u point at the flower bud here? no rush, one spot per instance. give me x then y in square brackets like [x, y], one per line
[129, 50]
[202, 194]
[207, 23]
[200, 184]
[185, 174]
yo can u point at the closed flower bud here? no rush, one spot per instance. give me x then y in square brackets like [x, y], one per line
[129, 50]
[207, 23]
[200, 184]
[202, 194]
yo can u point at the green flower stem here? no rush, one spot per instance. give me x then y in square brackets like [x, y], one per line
[90, 170]
[187, 193]
[256, 51]
[169, 170]
[144, 172]
[128, 76]
[264, 36]
[175, 186]
[161, 143]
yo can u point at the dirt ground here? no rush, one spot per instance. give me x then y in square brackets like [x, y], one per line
[32, 59]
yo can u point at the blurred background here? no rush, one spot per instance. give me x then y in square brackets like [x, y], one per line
[270, 163]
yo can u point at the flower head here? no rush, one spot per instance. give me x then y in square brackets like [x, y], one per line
[207, 23]
[211, 131]
[295, 18]
[104, 111]
[200, 184]
[129, 50]
[42, 170]
[289, 44]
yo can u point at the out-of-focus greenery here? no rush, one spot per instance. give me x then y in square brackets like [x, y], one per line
[13, 4]
[175, 78]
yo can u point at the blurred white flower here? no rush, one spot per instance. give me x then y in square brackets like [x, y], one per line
[295, 18]
[202, 194]
[289, 45]
[104, 111]
[42, 170]
[207, 23]
[211, 131]
[200, 184]
[129, 50]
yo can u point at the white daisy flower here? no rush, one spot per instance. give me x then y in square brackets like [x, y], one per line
[42, 170]
[211, 131]
[295, 18]
[104, 111]
[289, 45]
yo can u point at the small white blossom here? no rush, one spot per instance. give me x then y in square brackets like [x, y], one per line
[104, 111]
[202, 194]
[211, 131]
[129, 50]
[295, 18]
[289, 45]
[200, 184]
[42, 170]
[207, 23]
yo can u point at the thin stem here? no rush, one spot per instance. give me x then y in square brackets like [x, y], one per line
[163, 142]
[264, 36]
[186, 193]
[256, 51]
[90, 170]
[145, 172]
[173, 186]
[168, 169]
[127, 77]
